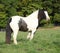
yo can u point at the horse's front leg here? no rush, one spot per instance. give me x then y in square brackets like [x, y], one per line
[32, 34]
[29, 34]
[15, 36]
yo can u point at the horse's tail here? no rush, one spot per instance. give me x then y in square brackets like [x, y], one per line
[8, 31]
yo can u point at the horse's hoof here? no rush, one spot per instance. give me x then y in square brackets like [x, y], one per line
[28, 37]
[15, 43]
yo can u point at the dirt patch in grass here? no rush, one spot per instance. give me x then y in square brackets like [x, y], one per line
[58, 27]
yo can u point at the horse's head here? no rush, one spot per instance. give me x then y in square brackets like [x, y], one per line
[43, 14]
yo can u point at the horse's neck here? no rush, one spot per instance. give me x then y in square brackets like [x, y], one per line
[33, 15]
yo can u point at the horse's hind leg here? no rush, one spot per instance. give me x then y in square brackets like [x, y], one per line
[15, 29]
[15, 36]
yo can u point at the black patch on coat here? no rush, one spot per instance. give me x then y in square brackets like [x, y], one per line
[8, 31]
[22, 25]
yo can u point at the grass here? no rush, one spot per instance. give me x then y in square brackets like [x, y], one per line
[45, 41]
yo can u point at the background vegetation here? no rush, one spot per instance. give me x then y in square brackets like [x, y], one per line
[9, 8]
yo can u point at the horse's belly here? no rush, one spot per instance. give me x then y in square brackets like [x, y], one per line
[22, 25]
[23, 28]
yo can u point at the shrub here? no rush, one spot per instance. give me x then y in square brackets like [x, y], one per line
[43, 23]
[3, 19]
[56, 18]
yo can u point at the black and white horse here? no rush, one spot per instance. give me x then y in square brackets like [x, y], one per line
[29, 23]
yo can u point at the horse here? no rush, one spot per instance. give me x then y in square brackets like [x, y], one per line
[29, 23]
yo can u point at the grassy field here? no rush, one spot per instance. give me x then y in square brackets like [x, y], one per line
[45, 41]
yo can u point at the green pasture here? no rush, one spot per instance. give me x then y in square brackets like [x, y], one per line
[44, 41]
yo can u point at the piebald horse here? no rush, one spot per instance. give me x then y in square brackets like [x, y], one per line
[29, 23]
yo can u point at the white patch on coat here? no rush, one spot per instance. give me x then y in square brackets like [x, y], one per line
[47, 16]
[14, 26]
[32, 20]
